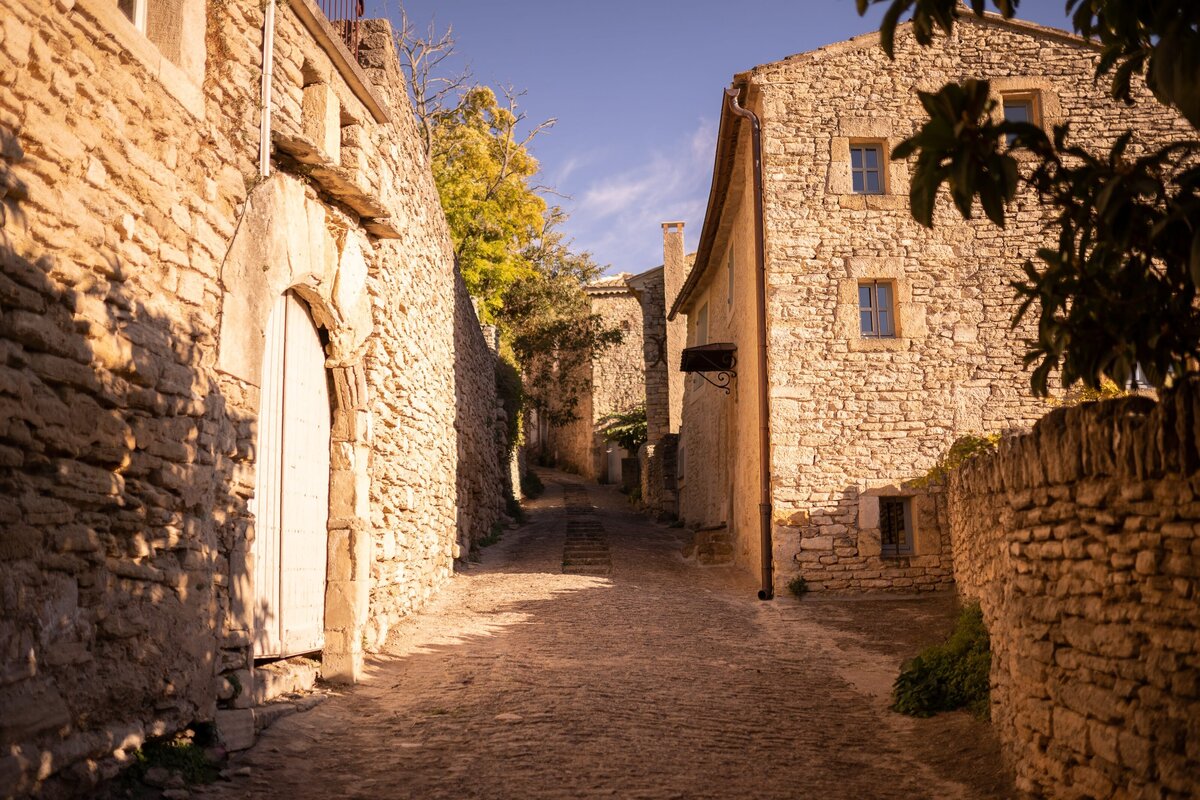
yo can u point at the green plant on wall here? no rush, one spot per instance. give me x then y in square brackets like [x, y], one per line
[625, 428]
[963, 449]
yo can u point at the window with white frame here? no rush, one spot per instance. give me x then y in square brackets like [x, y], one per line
[866, 167]
[876, 309]
[135, 12]
[700, 332]
[729, 288]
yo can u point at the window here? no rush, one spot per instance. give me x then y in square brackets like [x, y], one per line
[700, 334]
[895, 526]
[729, 289]
[1020, 108]
[866, 168]
[135, 12]
[876, 312]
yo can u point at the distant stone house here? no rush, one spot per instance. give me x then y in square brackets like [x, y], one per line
[246, 409]
[885, 341]
[613, 382]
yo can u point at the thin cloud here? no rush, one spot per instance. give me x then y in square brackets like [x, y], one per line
[617, 217]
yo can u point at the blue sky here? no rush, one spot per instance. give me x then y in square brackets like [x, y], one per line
[636, 88]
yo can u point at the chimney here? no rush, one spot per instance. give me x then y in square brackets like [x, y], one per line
[674, 266]
[674, 274]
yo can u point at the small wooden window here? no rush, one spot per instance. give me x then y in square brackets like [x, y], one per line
[1021, 108]
[729, 289]
[876, 309]
[135, 12]
[866, 168]
[895, 526]
[700, 333]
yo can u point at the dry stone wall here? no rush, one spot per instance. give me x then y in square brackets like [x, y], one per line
[1081, 541]
[140, 255]
[853, 417]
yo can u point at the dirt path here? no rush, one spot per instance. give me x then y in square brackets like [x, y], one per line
[635, 676]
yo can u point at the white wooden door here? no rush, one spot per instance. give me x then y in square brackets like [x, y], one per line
[292, 486]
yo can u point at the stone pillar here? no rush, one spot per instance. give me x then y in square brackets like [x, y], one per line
[675, 269]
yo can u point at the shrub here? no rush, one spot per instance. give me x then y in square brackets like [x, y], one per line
[963, 449]
[948, 676]
[531, 485]
[798, 586]
[626, 428]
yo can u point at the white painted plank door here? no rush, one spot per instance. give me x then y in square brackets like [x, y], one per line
[267, 482]
[305, 494]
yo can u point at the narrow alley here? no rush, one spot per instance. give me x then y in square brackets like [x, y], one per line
[584, 657]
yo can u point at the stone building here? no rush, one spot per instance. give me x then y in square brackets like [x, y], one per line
[885, 341]
[662, 342]
[613, 383]
[246, 409]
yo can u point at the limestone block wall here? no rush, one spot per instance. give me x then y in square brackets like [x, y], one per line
[1081, 541]
[139, 257]
[854, 417]
[615, 381]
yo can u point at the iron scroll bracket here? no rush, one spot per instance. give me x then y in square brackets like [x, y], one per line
[724, 377]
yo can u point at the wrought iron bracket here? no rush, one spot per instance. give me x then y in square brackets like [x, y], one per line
[723, 379]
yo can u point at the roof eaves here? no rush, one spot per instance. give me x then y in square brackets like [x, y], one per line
[723, 161]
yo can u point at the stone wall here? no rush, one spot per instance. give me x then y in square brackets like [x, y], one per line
[1081, 541]
[140, 257]
[852, 417]
[615, 381]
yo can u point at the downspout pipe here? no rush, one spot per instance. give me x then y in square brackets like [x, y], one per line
[767, 592]
[268, 64]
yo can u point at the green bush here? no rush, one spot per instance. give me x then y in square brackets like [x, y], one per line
[531, 484]
[626, 428]
[963, 449]
[181, 754]
[798, 586]
[950, 675]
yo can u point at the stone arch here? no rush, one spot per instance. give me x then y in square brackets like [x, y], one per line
[289, 241]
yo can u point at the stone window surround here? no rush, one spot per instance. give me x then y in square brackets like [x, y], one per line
[925, 541]
[908, 317]
[184, 83]
[894, 174]
[1046, 105]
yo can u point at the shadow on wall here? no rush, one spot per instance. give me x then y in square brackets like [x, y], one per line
[119, 501]
[479, 479]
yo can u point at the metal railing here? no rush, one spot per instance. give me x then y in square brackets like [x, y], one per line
[344, 16]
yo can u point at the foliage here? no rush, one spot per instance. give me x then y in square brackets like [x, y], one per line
[492, 537]
[512, 396]
[963, 449]
[950, 675]
[1119, 287]
[181, 754]
[1082, 394]
[626, 428]
[531, 485]
[482, 174]
[507, 239]
[550, 325]
[798, 586]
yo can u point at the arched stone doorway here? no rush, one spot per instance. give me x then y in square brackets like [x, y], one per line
[290, 244]
[291, 504]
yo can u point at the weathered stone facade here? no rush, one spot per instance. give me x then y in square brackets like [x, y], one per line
[853, 416]
[662, 341]
[1081, 541]
[615, 381]
[142, 254]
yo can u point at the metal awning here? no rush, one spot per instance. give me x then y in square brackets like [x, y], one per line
[718, 357]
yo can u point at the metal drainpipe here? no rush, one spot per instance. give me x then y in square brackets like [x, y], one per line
[767, 592]
[268, 55]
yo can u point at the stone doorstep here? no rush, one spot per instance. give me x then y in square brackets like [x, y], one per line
[287, 676]
[587, 570]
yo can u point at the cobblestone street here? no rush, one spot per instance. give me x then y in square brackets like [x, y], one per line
[613, 668]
